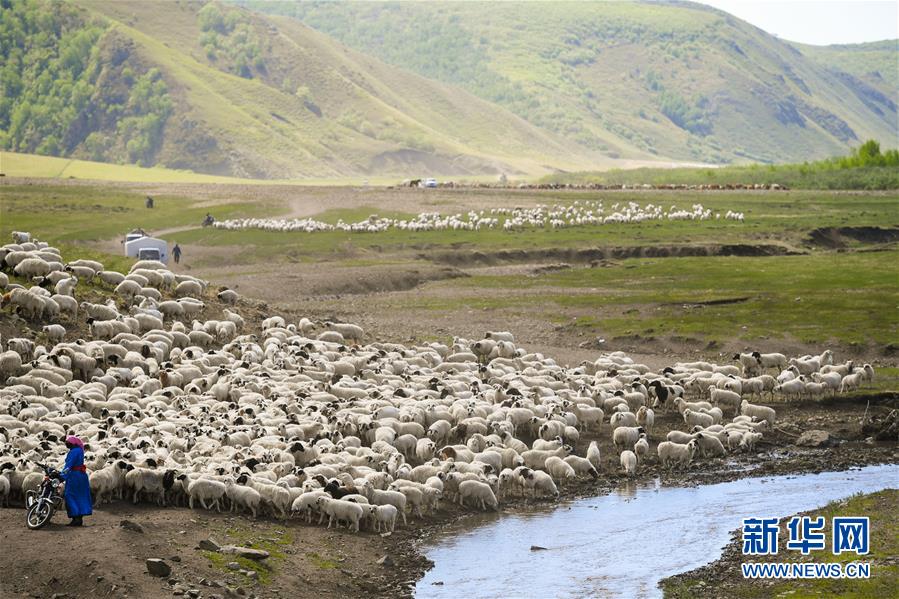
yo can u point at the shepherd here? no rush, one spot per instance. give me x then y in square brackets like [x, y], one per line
[78, 488]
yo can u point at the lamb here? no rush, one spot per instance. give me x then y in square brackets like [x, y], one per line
[629, 462]
[384, 515]
[749, 440]
[851, 382]
[480, 492]
[67, 286]
[760, 412]
[676, 454]
[389, 497]
[641, 448]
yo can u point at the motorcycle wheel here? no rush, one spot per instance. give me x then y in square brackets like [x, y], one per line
[39, 514]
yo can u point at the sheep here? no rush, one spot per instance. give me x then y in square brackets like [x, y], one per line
[388, 497]
[54, 332]
[698, 418]
[10, 364]
[582, 466]
[646, 418]
[756, 411]
[749, 440]
[709, 444]
[228, 296]
[629, 462]
[850, 382]
[559, 469]
[189, 288]
[593, 455]
[203, 490]
[676, 454]
[4, 491]
[32, 267]
[771, 360]
[537, 480]
[337, 510]
[794, 387]
[625, 436]
[725, 398]
[111, 277]
[480, 492]
[641, 448]
[384, 516]
[243, 497]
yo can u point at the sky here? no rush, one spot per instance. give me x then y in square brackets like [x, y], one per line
[819, 22]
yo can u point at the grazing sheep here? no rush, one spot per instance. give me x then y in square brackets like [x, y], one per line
[480, 492]
[593, 455]
[629, 462]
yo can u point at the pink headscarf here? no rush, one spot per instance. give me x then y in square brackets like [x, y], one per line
[73, 440]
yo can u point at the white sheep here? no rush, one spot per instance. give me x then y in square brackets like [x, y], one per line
[559, 469]
[480, 492]
[593, 455]
[724, 398]
[760, 412]
[629, 462]
[676, 454]
[337, 510]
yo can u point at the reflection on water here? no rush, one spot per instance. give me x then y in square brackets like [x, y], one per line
[624, 543]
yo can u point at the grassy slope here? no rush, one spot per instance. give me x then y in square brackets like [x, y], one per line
[582, 69]
[877, 63]
[794, 176]
[371, 113]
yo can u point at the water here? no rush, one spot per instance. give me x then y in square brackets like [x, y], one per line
[624, 543]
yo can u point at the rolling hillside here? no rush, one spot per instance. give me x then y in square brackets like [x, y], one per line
[221, 90]
[679, 80]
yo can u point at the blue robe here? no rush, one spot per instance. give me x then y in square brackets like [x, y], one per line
[78, 487]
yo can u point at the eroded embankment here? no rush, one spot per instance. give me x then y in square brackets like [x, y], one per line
[463, 258]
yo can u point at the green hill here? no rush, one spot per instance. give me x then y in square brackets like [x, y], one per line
[677, 80]
[222, 90]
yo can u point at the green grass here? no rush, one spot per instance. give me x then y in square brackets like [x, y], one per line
[75, 213]
[847, 298]
[774, 218]
[273, 540]
[880, 507]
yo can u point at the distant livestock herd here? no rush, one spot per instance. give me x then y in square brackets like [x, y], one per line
[576, 214]
[307, 420]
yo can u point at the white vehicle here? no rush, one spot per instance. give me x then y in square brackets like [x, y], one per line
[430, 182]
[142, 247]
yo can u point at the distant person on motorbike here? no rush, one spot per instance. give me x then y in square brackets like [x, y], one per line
[208, 220]
[78, 488]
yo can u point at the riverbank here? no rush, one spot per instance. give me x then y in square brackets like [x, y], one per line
[723, 578]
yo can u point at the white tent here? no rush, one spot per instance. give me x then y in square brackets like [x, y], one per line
[147, 248]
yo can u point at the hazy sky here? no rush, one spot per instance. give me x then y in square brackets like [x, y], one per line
[819, 22]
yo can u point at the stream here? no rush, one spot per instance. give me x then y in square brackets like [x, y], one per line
[621, 544]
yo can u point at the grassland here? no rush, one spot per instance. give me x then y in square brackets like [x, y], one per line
[842, 295]
[793, 176]
[884, 546]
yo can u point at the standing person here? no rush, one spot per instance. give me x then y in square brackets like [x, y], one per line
[78, 487]
[176, 253]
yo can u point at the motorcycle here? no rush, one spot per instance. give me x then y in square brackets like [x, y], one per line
[41, 504]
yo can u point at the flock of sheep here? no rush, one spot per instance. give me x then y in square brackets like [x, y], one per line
[305, 420]
[576, 214]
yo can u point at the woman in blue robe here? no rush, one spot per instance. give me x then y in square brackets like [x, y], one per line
[78, 487]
